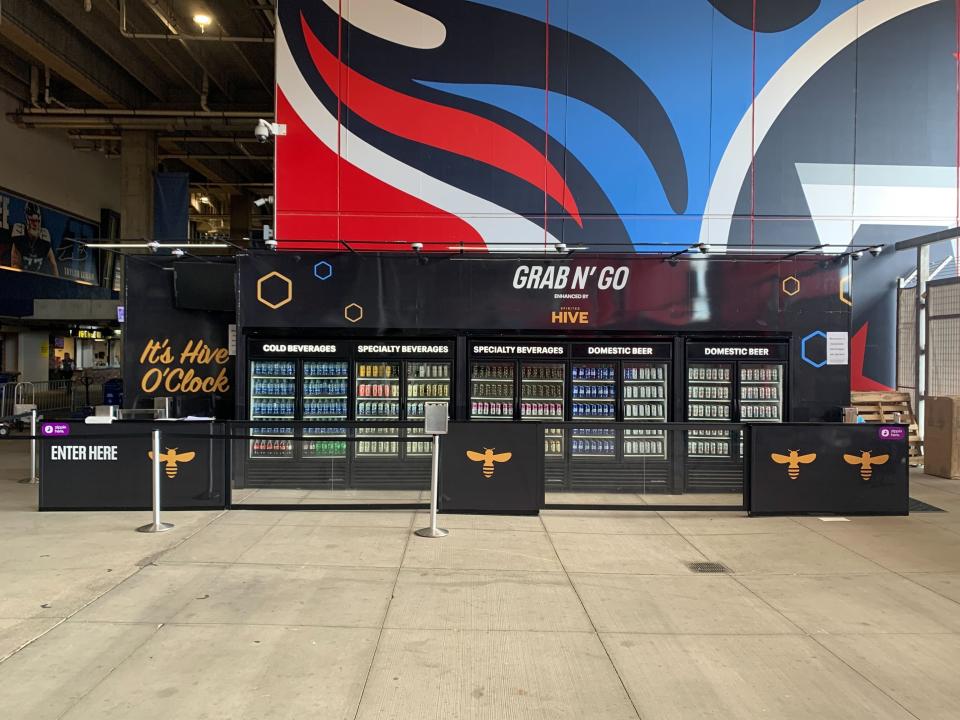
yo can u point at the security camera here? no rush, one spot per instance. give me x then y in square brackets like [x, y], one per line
[703, 247]
[264, 130]
[876, 250]
[856, 254]
[416, 247]
[271, 244]
[153, 246]
[561, 248]
[178, 252]
[260, 202]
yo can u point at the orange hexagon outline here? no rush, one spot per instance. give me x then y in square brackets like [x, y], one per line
[845, 285]
[783, 285]
[263, 279]
[350, 319]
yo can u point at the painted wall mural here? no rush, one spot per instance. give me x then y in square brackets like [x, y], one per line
[629, 125]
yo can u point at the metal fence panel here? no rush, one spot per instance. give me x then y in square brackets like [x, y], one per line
[943, 338]
[907, 343]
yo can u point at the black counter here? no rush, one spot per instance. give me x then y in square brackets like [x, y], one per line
[827, 469]
[107, 467]
[492, 467]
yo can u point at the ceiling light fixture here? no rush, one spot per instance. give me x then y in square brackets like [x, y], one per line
[152, 245]
[202, 19]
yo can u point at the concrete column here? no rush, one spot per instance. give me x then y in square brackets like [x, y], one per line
[33, 353]
[138, 162]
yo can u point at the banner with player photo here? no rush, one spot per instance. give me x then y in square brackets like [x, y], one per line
[39, 239]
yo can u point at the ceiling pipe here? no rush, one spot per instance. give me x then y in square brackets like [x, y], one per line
[101, 113]
[191, 156]
[207, 139]
[181, 37]
[230, 184]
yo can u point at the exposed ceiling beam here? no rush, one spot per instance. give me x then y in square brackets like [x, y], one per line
[176, 64]
[201, 55]
[124, 53]
[14, 86]
[40, 32]
[221, 14]
[170, 147]
[14, 65]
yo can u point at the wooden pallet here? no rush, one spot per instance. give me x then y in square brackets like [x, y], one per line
[883, 407]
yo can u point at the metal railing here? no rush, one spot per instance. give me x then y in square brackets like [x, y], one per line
[53, 396]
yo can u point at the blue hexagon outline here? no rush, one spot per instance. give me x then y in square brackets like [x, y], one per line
[327, 275]
[803, 348]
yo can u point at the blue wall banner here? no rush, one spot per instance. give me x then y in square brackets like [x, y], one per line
[40, 239]
[171, 203]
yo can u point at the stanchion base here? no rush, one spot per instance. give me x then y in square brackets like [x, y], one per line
[156, 527]
[430, 532]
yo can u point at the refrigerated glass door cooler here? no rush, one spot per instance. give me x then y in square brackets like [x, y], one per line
[273, 397]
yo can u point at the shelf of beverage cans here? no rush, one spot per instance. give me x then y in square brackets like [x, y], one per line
[760, 393]
[272, 397]
[709, 399]
[325, 386]
[491, 391]
[594, 393]
[377, 398]
[426, 382]
[541, 392]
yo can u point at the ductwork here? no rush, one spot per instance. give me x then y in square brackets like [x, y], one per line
[185, 37]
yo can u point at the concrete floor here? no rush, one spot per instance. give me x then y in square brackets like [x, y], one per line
[275, 614]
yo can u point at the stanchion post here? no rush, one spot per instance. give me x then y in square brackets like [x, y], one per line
[435, 423]
[33, 446]
[156, 525]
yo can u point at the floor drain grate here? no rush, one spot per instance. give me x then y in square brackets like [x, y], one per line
[920, 506]
[708, 567]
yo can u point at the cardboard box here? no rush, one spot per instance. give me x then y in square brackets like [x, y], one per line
[941, 437]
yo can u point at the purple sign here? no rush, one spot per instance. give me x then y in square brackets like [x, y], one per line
[55, 429]
[888, 432]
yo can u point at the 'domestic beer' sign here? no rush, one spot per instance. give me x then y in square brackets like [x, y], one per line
[170, 351]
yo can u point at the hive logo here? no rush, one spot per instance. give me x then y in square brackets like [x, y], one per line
[488, 458]
[274, 290]
[866, 461]
[570, 316]
[171, 457]
[793, 460]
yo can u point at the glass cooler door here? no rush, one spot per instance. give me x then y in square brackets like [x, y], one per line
[377, 399]
[761, 393]
[491, 390]
[593, 396]
[541, 391]
[324, 387]
[426, 381]
[644, 400]
[709, 399]
[272, 397]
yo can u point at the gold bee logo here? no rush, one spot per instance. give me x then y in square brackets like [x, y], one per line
[171, 458]
[488, 458]
[793, 461]
[866, 461]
